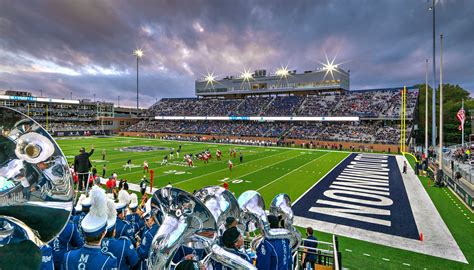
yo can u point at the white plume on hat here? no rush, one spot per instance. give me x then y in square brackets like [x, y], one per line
[79, 202]
[98, 202]
[133, 200]
[111, 214]
[123, 197]
[96, 220]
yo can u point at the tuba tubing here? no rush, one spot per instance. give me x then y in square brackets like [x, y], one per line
[184, 216]
[253, 209]
[281, 205]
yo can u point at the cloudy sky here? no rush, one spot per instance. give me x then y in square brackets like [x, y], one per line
[85, 47]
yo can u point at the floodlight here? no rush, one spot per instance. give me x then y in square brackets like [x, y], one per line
[138, 53]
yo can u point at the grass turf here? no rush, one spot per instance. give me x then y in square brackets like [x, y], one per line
[271, 171]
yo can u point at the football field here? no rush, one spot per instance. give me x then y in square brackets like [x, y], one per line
[297, 172]
[268, 170]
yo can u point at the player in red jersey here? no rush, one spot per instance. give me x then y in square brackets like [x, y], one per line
[218, 154]
[145, 166]
[190, 162]
[230, 165]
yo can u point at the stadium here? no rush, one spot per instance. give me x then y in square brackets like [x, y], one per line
[267, 169]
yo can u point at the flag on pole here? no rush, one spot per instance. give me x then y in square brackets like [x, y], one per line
[461, 116]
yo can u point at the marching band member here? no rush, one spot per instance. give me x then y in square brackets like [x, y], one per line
[68, 238]
[94, 225]
[121, 248]
[233, 243]
[123, 227]
[143, 247]
[274, 254]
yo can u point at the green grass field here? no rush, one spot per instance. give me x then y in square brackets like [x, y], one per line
[271, 171]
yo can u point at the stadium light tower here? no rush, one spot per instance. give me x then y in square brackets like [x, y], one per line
[426, 109]
[139, 54]
[246, 76]
[440, 154]
[433, 112]
[330, 67]
[210, 79]
[283, 73]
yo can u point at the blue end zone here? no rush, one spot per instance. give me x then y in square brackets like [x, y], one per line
[397, 218]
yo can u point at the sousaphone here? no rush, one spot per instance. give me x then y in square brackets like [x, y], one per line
[36, 187]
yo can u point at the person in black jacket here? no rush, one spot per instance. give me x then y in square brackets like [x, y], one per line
[82, 165]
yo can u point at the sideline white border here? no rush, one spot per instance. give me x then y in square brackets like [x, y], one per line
[437, 239]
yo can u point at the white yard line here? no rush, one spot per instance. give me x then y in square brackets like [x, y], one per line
[295, 201]
[265, 167]
[226, 168]
[290, 172]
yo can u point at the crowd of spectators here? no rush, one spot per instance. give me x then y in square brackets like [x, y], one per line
[285, 105]
[459, 154]
[363, 131]
[365, 104]
[318, 105]
[63, 112]
[71, 126]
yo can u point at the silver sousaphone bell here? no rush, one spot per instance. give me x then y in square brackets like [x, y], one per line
[184, 216]
[221, 202]
[253, 209]
[281, 206]
[36, 187]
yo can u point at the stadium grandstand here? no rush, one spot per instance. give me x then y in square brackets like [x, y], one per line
[304, 108]
[63, 117]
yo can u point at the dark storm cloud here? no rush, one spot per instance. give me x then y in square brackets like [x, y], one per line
[85, 47]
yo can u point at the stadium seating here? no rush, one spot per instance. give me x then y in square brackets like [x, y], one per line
[383, 103]
[365, 131]
[372, 106]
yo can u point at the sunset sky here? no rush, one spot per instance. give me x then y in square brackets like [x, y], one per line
[86, 47]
